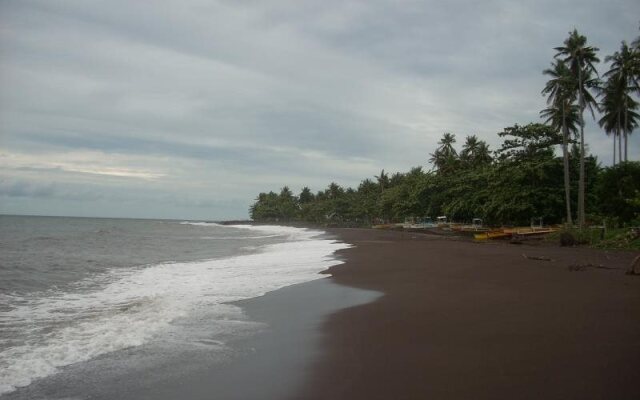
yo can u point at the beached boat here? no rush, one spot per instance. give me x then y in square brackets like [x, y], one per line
[442, 221]
[536, 229]
[443, 224]
[427, 225]
[519, 231]
[491, 234]
[419, 223]
[476, 226]
[530, 231]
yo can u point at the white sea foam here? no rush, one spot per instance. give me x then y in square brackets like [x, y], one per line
[239, 237]
[132, 307]
[200, 223]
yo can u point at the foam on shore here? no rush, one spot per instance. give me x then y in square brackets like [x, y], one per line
[130, 307]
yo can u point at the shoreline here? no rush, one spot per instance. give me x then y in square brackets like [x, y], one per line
[268, 364]
[414, 316]
[463, 320]
[268, 361]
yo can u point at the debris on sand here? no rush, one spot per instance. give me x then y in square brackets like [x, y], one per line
[634, 268]
[582, 267]
[537, 258]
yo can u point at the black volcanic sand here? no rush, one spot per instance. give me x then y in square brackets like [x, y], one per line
[439, 318]
[462, 320]
[277, 361]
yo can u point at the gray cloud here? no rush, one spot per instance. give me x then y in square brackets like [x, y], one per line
[220, 100]
[25, 189]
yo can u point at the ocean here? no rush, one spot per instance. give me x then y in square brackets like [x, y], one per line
[118, 296]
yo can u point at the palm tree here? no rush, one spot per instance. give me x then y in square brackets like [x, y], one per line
[612, 107]
[635, 65]
[383, 180]
[580, 59]
[446, 145]
[306, 196]
[334, 191]
[562, 115]
[619, 113]
[483, 153]
[469, 149]
[445, 155]
[475, 152]
[622, 82]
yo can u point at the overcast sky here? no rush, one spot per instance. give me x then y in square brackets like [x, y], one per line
[189, 109]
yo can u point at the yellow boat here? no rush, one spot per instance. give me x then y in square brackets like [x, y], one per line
[529, 231]
[495, 234]
[517, 231]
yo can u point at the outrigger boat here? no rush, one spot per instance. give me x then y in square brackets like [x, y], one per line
[426, 225]
[419, 223]
[476, 226]
[521, 231]
[443, 226]
[530, 231]
[491, 234]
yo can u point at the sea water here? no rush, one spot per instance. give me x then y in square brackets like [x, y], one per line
[116, 294]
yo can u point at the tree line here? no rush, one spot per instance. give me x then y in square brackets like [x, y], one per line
[520, 180]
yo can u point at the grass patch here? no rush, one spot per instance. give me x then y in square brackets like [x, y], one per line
[611, 238]
[622, 238]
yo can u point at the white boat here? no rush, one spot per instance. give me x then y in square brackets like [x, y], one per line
[419, 223]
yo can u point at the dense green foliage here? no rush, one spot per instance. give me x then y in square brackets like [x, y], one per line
[521, 180]
[618, 192]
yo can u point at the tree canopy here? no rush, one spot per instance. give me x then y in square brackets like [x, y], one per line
[522, 179]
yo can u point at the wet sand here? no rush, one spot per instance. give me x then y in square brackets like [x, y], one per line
[461, 320]
[270, 364]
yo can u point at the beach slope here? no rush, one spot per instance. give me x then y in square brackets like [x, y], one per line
[461, 320]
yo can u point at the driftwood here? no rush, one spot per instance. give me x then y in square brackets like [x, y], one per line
[634, 268]
[582, 267]
[537, 258]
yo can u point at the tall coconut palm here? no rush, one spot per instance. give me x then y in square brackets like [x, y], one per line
[611, 108]
[580, 59]
[483, 154]
[635, 65]
[475, 152]
[622, 82]
[445, 156]
[446, 144]
[619, 111]
[383, 180]
[469, 149]
[562, 114]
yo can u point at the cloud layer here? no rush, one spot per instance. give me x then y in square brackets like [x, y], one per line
[189, 109]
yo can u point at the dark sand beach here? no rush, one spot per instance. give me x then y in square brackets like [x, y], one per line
[412, 316]
[462, 320]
